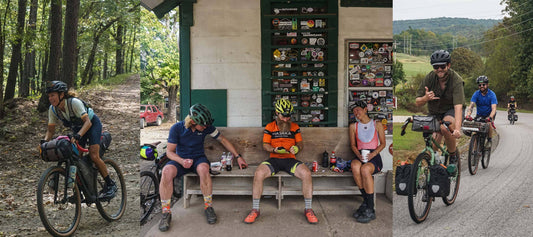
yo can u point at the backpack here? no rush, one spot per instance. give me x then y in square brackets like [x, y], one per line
[74, 121]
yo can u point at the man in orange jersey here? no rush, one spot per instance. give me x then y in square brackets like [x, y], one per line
[283, 140]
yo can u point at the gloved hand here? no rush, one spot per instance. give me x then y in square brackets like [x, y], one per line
[42, 141]
[468, 118]
[75, 136]
[280, 150]
[295, 148]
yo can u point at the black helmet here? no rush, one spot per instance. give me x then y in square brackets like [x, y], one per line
[359, 103]
[56, 86]
[201, 115]
[440, 57]
[482, 79]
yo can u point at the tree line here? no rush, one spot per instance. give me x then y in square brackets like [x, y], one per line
[74, 41]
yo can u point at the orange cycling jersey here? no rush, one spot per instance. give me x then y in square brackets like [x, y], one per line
[273, 136]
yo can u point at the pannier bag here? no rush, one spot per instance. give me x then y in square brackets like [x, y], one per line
[105, 141]
[439, 182]
[56, 150]
[425, 124]
[403, 172]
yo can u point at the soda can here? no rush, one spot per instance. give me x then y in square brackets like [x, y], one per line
[315, 166]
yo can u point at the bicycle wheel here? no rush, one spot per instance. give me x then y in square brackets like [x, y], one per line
[112, 209]
[486, 157]
[59, 213]
[454, 181]
[149, 194]
[418, 199]
[473, 154]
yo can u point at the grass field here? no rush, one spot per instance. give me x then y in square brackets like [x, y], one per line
[413, 65]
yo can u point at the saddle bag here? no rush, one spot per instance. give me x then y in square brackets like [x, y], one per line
[427, 124]
[58, 149]
[439, 182]
[403, 172]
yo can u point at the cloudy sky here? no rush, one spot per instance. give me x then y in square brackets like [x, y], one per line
[423, 9]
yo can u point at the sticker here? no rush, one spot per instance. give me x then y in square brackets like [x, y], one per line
[318, 23]
[275, 22]
[277, 55]
[382, 93]
[361, 54]
[305, 103]
[311, 23]
[320, 73]
[354, 45]
[364, 47]
[321, 41]
[375, 95]
[387, 82]
[319, 100]
[305, 41]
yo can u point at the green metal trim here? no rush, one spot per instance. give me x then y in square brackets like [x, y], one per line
[366, 3]
[186, 21]
[167, 5]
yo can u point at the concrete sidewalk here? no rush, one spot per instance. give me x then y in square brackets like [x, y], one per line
[334, 215]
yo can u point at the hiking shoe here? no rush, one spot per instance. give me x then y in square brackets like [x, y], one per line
[108, 192]
[211, 216]
[367, 215]
[164, 225]
[360, 210]
[252, 216]
[310, 215]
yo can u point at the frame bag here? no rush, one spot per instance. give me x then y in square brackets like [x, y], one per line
[56, 150]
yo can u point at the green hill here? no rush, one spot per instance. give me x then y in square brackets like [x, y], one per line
[442, 25]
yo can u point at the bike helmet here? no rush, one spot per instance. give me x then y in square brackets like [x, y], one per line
[482, 79]
[56, 86]
[359, 103]
[201, 115]
[512, 97]
[148, 153]
[440, 57]
[284, 107]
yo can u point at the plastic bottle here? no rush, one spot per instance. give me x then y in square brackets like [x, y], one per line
[223, 161]
[229, 161]
[325, 159]
[332, 159]
[72, 176]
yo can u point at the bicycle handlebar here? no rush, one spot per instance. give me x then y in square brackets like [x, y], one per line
[404, 126]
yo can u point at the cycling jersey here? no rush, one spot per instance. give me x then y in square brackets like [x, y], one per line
[74, 110]
[512, 104]
[190, 144]
[273, 136]
[484, 102]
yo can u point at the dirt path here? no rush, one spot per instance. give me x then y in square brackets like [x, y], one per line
[21, 167]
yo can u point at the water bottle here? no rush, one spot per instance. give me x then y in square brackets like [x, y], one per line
[325, 159]
[223, 160]
[439, 159]
[229, 161]
[71, 176]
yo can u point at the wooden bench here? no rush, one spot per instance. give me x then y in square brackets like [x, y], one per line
[248, 142]
[239, 182]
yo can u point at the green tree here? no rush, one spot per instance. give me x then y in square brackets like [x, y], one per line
[398, 75]
[160, 55]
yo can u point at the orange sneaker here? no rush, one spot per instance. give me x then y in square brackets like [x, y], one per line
[310, 215]
[252, 216]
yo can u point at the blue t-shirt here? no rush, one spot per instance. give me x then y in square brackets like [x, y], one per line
[484, 102]
[190, 144]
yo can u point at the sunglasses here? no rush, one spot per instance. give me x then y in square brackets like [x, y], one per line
[439, 66]
[482, 84]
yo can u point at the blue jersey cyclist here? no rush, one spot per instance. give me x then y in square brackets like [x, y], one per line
[65, 108]
[185, 149]
[485, 100]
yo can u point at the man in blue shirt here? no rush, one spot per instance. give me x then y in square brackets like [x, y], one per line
[485, 101]
[185, 149]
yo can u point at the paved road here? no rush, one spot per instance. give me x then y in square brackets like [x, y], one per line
[497, 201]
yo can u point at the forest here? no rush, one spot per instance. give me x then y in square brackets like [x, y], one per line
[503, 52]
[78, 42]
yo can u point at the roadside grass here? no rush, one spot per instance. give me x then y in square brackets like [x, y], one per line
[404, 112]
[413, 65]
[109, 83]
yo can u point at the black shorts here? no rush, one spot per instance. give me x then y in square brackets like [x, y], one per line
[376, 161]
[287, 164]
[450, 112]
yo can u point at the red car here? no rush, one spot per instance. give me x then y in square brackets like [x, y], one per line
[150, 114]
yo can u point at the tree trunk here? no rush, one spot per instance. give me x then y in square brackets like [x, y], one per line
[105, 66]
[120, 48]
[28, 75]
[54, 51]
[2, 48]
[172, 94]
[90, 61]
[132, 49]
[16, 52]
[70, 41]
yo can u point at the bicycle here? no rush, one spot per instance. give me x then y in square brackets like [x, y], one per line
[59, 205]
[419, 201]
[478, 130]
[512, 116]
[149, 186]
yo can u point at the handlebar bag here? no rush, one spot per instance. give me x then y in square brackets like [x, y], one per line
[439, 182]
[425, 124]
[56, 150]
[403, 172]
